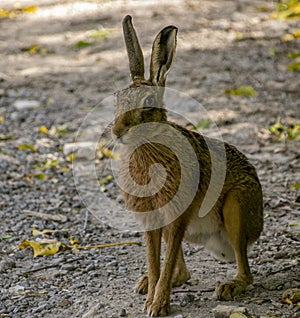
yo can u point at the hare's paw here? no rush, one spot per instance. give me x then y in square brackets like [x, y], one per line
[159, 308]
[228, 290]
[180, 277]
[142, 285]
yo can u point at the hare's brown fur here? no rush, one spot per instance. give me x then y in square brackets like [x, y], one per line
[233, 223]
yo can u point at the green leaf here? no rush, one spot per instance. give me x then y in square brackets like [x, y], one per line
[40, 176]
[204, 123]
[294, 66]
[6, 138]
[25, 147]
[242, 90]
[294, 55]
[295, 224]
[83, 44]
[99, 34]
[105, 179]
[277, 128]
[6, 237]
[295, 186]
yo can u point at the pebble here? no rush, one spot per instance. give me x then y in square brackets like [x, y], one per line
[123, 313]
[26, 104]
[223, 311]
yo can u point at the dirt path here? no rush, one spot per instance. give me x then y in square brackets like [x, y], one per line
[69, 55]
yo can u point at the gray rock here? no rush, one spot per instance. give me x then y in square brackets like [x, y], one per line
[26, 104]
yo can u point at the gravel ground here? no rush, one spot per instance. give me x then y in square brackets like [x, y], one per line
[50, 76]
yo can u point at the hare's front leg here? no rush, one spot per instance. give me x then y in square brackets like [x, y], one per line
[160, 306]
[180, 275]
[153, 247]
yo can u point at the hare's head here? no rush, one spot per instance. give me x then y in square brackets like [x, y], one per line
[143, 102]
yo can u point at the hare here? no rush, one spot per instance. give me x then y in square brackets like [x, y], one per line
[155, 160]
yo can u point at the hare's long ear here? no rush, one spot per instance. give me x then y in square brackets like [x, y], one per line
[163, 51]
[135, 54]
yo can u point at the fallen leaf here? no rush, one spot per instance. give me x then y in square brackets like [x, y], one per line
[107, 152]
[25, 147]
[291, 296]
[204, 123]
[36, 232]
[40, 176]
[42, 248]
[242, 90]
[30, 9]
[105, 179]
[6, 138]
[296, 33]
[294, 66]
[294, 55]
[295, 186]
[99, 34]
[44, 130]
[83, 44]
[51, 247]
[73, 240]
[2, 119]
[70, 157]
[237, 315]
[6, 237]
[287, 10]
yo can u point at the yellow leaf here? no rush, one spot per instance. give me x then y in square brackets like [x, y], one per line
[287, 37]
[73, 240]
[64, 169]
[30, 9]
[36, 232]
[108, 153]
[296, 33]
[70, 157]
[33, 49]
[105, 179]
[44, 130]
[43, 247]
[25, 147]
[4, 13]
[2, 119]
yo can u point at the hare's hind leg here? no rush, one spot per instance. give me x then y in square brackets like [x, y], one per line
[235, 223]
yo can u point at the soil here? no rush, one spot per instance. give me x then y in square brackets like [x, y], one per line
[67, 57]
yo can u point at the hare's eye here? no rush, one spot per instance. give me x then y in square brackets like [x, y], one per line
[149, 102]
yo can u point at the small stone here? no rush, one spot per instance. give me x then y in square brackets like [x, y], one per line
[83, 150]
[64, 303]
[26, 104]
[123, 313]
[222, 311]
[17, 289]
[6, 265]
